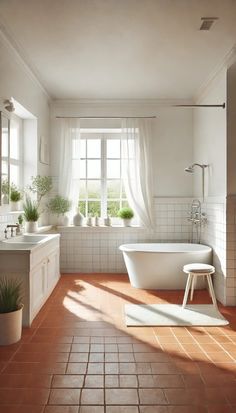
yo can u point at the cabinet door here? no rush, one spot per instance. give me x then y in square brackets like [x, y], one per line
[38, 285]
[52, 269]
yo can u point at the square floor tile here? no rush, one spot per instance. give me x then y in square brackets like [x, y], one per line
[92, 396]
[152, 396]
[64, 396]
[68, 381]
[112, 380]
[121, 396]
[95, 368]
[128, 380]
[93, 380]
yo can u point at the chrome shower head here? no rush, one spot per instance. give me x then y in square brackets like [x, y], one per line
[190, 168]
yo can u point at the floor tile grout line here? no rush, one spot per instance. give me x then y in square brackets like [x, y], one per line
[225, 351]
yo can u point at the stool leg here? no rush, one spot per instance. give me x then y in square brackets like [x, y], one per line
[212, 290]
[187, 288]
[192, 287]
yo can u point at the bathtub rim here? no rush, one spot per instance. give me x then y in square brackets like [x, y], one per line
[131, 248]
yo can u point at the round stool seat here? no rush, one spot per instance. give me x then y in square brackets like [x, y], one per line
[195, 270]
[198, 268]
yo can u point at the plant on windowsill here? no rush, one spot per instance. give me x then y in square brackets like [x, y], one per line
[41, 185]
[60, 206]
[5, 191]
[15, 197]
[126, 214]
[31, 215]
[10, 310]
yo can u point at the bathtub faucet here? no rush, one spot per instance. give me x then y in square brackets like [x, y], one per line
[198, 219]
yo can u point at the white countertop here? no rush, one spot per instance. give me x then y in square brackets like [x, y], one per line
[24, 247]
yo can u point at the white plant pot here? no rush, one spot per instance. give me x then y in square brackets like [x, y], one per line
[126, 222]
[15, 206]
[10, 327]
[31, 226]
[5, 199]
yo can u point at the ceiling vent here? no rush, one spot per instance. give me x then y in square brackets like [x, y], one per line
[207, 22]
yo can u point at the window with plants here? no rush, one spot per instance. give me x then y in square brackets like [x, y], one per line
[99, 174]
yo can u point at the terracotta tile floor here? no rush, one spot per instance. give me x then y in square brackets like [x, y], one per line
[79, 357]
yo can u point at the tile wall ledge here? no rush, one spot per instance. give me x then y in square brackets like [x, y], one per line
[112, 228]
[186, 200]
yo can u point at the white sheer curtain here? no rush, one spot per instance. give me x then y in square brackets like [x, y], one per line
[137, 167]
[69, 160]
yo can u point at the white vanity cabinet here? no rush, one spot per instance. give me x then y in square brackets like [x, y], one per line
[38, 268]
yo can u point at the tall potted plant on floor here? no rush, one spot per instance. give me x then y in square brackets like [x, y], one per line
[31, 215]
[10, 311]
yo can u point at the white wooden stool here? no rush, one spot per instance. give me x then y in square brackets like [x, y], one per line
[194, 271]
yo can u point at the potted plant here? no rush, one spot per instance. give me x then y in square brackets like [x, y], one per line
[31, 215]
[126, 214]
[41, 185]
[59, 206]
[5, 191]
[15, 197]
[10, 311]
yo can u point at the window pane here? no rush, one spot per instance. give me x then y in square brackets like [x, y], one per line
[94, 189]
[94, 208]
[113, 169]
[113, 189]
[94, 148]
[14, 174]
[82, 189]
[78, 148]
[113, 208]
[4, 144]
[94, 169]
[113, 148]
[82, 207]
[125, 204]
[123, 194]
[82, 165]
[75, 169]
[4, 168]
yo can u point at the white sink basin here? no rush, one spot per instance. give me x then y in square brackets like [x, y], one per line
[27, 239]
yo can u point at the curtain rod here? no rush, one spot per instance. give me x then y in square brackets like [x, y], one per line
[105, 117]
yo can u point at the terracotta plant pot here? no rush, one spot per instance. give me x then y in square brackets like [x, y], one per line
[10, 327]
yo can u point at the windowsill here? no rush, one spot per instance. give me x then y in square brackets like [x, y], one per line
[99, 228]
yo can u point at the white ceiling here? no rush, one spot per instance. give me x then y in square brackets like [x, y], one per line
[120, 49]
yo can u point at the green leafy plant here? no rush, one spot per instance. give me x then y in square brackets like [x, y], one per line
[41, 185]
[20, 219]
[59, 205]
[5, 187]
[10, 295]
[15, 194]
[30, 208]
[125, 213]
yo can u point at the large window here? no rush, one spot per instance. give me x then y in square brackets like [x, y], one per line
[16, 147]
[100, 171]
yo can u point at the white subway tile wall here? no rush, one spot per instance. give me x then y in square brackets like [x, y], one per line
[87, 249]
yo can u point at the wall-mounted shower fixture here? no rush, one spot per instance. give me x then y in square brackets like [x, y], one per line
[190, 169]
[197, 219]
[9, 105]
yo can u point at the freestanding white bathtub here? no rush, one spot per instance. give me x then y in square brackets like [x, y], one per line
[160, 266]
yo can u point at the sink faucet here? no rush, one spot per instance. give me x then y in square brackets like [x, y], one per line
[12, 226]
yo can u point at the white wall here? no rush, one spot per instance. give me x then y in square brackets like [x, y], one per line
[16, 81]
[209, 140]
[172, 140]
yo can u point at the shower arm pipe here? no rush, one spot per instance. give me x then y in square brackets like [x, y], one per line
[200, 106]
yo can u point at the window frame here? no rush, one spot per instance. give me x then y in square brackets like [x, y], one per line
[103, 136]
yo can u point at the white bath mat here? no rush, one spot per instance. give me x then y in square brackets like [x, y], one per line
[173, 315]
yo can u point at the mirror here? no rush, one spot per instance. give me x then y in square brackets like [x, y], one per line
[4, 158]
